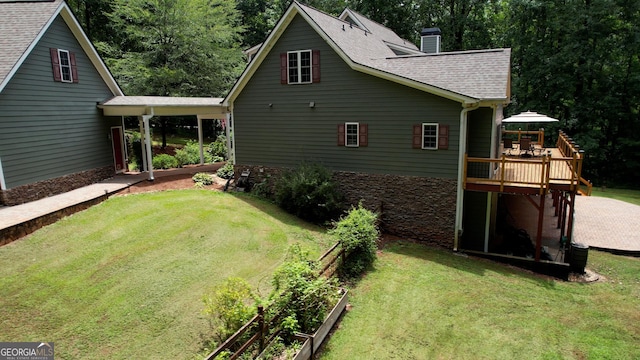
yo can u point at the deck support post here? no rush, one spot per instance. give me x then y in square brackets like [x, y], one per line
[540, 222]
[570, 221]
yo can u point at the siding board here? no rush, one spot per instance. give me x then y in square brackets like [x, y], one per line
[50, 129]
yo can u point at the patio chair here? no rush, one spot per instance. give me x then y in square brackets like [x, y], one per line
[525, 146]
[508, 146]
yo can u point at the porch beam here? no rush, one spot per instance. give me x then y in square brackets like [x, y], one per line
[571, 214]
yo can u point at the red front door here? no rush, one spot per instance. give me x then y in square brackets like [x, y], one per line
[118, 148]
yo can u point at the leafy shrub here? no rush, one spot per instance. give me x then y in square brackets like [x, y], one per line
[202, 178]
[301, 296]
[226, 171]
[227, 307]
[190, 154]
[358, 233]
[218, 147]
[164, 161]
[263, 189]
[309, 193]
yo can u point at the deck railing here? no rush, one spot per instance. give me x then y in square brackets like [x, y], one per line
[537, 136]
[541, 173]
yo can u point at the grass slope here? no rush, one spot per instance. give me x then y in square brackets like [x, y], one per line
[630, 196]
[124, 279]
[422, 303]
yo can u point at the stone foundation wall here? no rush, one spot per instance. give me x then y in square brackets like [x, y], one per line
[418, 208]
[42, 189]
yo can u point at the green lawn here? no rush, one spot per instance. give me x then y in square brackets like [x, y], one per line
[124, 279]
[422, 303]
[630, 196]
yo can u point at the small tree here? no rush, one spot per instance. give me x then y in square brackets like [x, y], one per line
[358, 233]
[227, 307]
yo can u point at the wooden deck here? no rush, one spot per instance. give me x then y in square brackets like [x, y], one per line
[540, 171]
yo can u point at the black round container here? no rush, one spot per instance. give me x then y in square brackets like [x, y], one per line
[579, 255]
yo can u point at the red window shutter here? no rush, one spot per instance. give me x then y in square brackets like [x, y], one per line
[284, 59]
[443, 137]
[364, 135]
[341, 131]
[74, 67]
[315, 66]
[55, 64]
[417, 136]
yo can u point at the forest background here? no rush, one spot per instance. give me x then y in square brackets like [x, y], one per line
[575, 60]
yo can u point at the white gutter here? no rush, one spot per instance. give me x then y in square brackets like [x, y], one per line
[462, 150]
[147, 136]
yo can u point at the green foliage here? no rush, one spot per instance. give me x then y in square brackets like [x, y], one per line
[202, 178]
[226, 306]
[190, 154]
[226, 171]
[175, 47]
[300, 295]
[164, 161]
[309, 193]
[218, 148]
[263, 189]
[358, 234]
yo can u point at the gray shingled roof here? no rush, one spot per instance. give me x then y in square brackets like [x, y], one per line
[20, 24]
[482, 74]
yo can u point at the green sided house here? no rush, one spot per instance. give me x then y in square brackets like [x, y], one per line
[385, 116]
[53, 138]
[397, 124]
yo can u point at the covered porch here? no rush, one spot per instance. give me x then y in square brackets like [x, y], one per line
[146, 107]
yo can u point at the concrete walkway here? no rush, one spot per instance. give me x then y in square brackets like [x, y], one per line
[607, 224]
[11, 216]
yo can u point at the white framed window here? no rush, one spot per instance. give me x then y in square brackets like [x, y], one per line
[299, 67]
[352, 134]
[65, 66]
[430, 136]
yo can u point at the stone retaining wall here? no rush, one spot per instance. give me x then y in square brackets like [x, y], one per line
[18, 231]
[413, 207]
[42, 189]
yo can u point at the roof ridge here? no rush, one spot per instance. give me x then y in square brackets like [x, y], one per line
[461, 52]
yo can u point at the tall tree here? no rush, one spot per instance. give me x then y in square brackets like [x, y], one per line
[176, 47]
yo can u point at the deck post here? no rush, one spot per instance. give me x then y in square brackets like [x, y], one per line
[540, 221]
[570, 221]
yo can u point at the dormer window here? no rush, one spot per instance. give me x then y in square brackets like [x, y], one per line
[300, 67]
[63, 63]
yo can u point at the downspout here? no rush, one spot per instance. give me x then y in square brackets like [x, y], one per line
[462, 150]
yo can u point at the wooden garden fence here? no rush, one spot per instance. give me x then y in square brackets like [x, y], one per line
[262, 331]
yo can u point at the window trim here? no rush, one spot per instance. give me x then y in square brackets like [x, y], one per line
[68, 66]
[299, 66]
[346, 137]
[436, 136]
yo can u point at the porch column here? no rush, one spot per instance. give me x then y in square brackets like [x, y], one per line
[200, 140]
[3, 184]
[147, 136]
[540, 221]
[143, 147]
